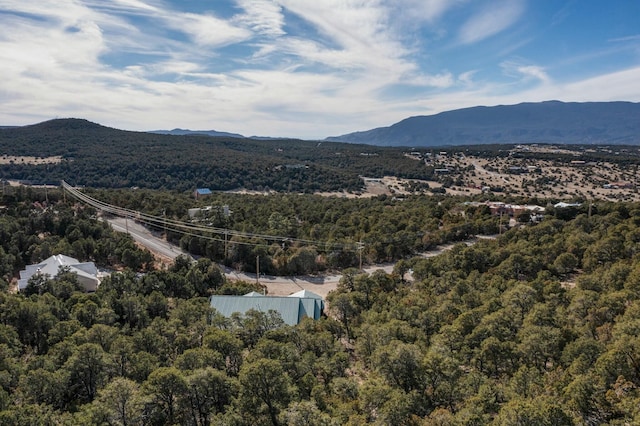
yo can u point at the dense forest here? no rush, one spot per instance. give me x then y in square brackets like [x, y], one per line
[310, 233]
[538, 327]
[97, 156]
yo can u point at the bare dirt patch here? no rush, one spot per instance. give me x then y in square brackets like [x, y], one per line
[387, 185]
[510, 175]
[545, 179]
[460, 174]
[18, 159]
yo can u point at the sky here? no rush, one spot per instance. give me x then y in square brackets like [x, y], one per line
[306, 68]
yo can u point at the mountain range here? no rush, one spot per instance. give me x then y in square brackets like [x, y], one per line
[215, 133]
[589, 123]
[186, 132]
[541, 122]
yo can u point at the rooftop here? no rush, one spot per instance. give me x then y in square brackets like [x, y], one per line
[292, 308]
[86, 271]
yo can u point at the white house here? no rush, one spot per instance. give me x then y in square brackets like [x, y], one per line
[86, 271]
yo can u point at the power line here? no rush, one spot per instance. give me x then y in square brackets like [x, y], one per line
[191, 229]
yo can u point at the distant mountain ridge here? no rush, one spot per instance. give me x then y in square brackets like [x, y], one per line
[542, 122]
[186, 132]
[61, 124]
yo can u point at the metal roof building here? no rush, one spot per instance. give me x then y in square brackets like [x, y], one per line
[291, 308]
[201, 192]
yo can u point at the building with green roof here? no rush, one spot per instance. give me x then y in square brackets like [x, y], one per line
[292, 308]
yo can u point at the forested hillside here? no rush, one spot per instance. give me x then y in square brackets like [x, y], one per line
[539, 326]
[310, 233]
[96, 156]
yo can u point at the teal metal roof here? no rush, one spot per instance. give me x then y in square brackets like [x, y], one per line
[291, 309]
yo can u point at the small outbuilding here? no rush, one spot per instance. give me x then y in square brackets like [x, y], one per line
[201, 192]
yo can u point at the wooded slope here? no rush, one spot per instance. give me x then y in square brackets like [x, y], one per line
[540, 326]
[98, 156]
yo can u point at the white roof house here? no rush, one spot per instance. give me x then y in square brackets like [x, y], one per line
[306, 294]
[86, 271]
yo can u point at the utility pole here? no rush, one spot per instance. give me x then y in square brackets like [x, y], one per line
[360, 247]
[226, 213]
[258, 269]
[164, 221]
[226, 245]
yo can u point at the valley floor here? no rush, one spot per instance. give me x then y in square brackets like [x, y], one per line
[510, 175]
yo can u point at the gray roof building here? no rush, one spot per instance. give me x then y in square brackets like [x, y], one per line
[291, 308]
[86, 271]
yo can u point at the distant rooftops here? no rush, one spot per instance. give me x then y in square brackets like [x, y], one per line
[562, 205]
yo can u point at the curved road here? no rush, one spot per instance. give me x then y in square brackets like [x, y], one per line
[276, 285]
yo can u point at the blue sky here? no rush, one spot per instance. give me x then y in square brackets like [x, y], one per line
[303, 68]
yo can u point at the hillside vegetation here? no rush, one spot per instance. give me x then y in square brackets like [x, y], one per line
[539, 326]
[309, 233]
[96, 156]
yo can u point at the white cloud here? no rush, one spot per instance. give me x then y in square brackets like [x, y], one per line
[357, 28]
[424, 10]
[612, 86]
[441, 81]
[359, 42]
[632, 38]
[54, 47]
[363, 56]
[525, 73]
[62, 11]
[619, 85]
[332, 80]
[466, 78]
[207, 30]
[128, 6]
[262, 17]
[175, 67]
[534, 71]
[491, 20]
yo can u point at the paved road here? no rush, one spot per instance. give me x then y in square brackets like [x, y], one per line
[321, 284]
[282, 286]
[277, 286]
[142, 235]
